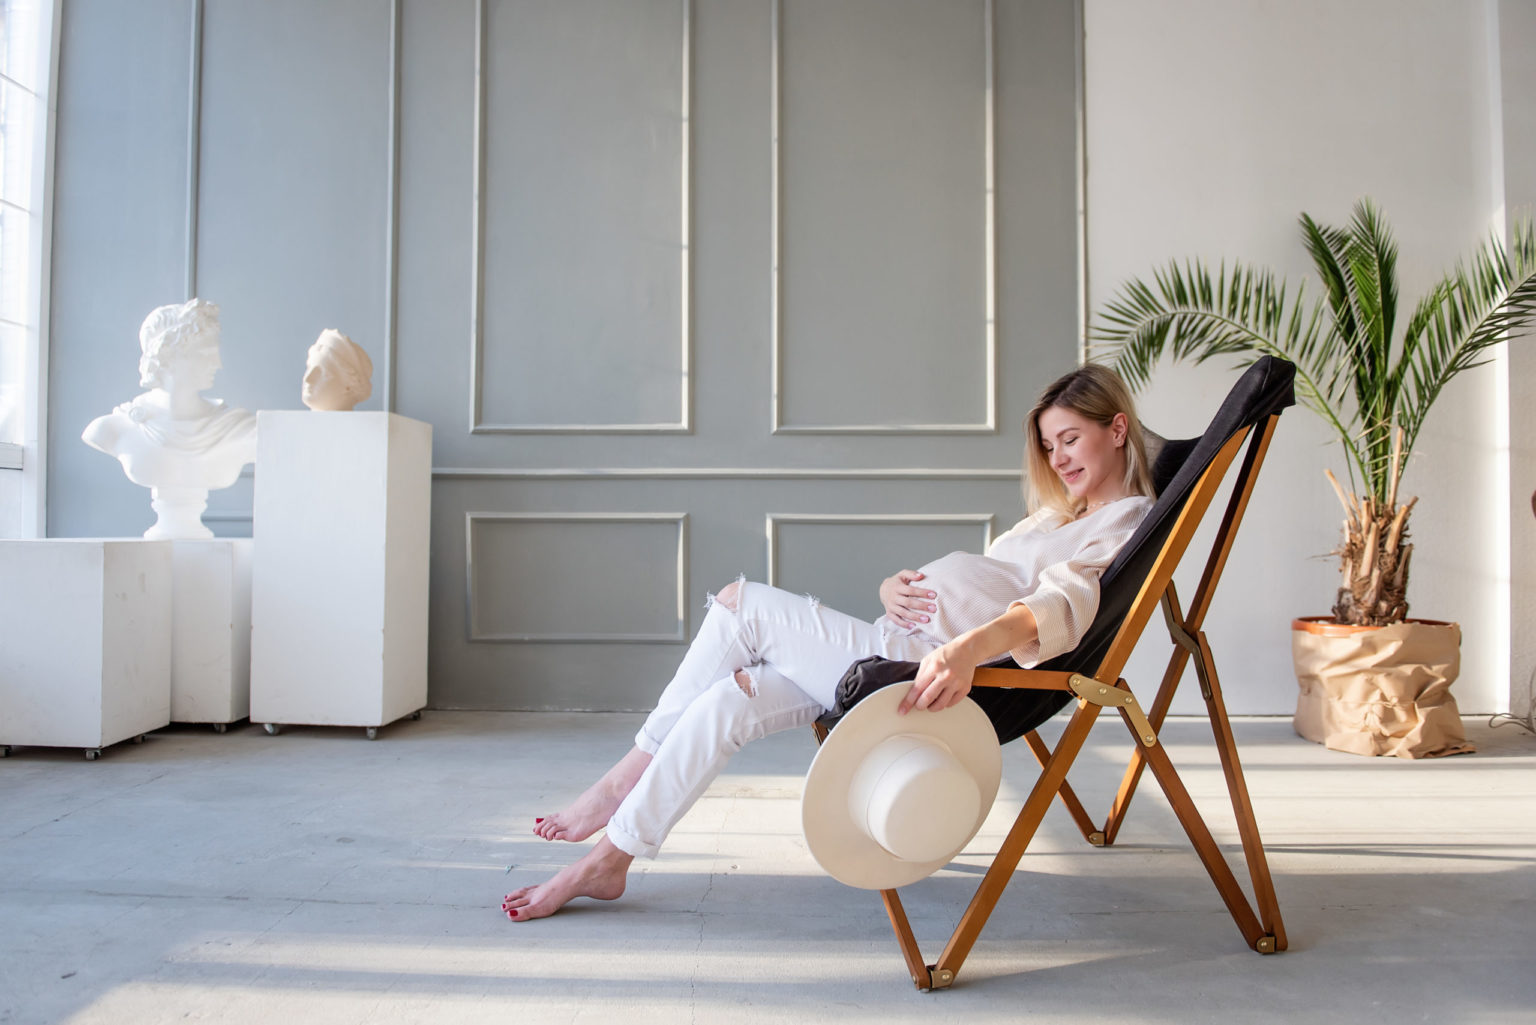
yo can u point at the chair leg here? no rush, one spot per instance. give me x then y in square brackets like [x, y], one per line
[1242, 804]
[1012, 849]
[921, 977]
[1210, 854]
[1074, 806]
[1155, 715]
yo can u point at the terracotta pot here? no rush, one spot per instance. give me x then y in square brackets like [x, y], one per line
[1379, 690]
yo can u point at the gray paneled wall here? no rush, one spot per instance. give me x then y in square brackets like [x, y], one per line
[687, 288]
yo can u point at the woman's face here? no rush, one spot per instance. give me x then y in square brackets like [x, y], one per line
[1087, 456]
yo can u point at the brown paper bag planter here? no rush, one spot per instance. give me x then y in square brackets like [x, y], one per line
[1379, 690]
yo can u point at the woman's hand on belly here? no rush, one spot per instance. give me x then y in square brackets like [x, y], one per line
[943, 679]
[908, 606]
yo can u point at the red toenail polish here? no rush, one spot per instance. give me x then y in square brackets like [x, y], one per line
[538, 820]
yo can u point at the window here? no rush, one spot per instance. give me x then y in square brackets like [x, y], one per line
[27, 28]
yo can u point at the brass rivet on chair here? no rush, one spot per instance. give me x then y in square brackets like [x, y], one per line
[1266, 945]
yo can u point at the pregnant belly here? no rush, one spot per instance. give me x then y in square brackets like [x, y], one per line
[972, 591]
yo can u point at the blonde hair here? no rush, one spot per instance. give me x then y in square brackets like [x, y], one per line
[1095, 393]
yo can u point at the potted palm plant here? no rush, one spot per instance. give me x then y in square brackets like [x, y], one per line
[1372, 680]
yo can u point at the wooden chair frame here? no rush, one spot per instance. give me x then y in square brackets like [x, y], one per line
[1261, 929]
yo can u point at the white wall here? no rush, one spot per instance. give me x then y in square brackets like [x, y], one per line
[1517, 76]
[1210, 125]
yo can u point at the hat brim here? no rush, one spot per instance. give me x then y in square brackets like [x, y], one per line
[836, 840]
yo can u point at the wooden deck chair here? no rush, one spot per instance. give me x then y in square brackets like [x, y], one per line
[1188, 475]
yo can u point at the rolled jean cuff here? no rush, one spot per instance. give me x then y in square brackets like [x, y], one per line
[644, 742]
[631, 844]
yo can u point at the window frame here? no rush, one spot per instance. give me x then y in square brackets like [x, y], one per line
[30, 458]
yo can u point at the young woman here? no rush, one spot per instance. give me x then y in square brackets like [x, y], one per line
[767, 660]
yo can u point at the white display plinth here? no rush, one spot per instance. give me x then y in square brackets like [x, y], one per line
[211, 632]
[339, 588]
[85, 641]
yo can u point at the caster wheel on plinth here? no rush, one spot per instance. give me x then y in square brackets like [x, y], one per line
[5, 750]
[92, 753]
[220, 727]
[139, 739]
[372, 732]
[416, 716]
[273, 729]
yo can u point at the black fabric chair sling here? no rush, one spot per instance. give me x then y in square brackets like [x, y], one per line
[1187, 475]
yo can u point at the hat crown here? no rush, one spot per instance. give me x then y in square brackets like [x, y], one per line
[914, 798]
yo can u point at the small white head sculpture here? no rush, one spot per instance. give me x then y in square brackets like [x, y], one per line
[170, 439]
[338, 374]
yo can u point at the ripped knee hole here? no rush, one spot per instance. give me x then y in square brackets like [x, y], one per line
[728, 594]
[744, 681]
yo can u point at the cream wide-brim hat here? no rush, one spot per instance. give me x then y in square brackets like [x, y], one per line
[891, 799]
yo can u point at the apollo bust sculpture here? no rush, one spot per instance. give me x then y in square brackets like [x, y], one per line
[171, 439]
[338, 373]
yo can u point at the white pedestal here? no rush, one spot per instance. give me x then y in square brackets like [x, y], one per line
[211, 632]
[85, 641]
[339, 588]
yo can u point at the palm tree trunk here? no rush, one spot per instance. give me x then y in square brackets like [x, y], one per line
[1373, 560]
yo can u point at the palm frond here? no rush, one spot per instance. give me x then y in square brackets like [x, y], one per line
[1477, 306]
[1370, 262]
[1189, 313]
[1327, 247]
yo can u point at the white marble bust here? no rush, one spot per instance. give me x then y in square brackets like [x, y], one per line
[170, 439]
[338, 374]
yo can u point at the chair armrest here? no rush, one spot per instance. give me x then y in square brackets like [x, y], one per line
[1027, 679]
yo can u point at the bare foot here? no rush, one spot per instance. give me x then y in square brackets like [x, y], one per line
[592, 810]
[600, 873]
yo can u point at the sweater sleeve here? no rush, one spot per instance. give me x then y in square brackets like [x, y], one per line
[1066, 596]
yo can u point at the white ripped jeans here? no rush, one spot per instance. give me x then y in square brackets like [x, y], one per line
[793, 651]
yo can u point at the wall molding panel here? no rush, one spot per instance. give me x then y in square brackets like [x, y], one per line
[599, 577]
[455, 473]
[478, 422]
[392, 217]
[986, 419]
[776, 520]
[194, 142]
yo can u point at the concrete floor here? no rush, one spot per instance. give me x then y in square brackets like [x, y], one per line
[318, 877]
